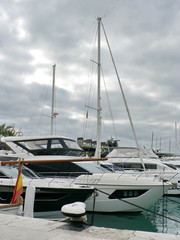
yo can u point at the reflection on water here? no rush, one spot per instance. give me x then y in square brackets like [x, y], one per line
[170, 207]
[122, 221]
[145, 221]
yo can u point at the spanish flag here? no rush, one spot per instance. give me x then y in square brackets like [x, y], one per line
[18, 190]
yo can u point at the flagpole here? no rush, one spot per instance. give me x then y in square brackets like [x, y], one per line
[18, 189]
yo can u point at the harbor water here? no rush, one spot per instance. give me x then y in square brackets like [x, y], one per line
[162, 217]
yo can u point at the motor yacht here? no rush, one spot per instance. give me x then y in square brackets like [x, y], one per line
[128, 159]
[49, 196]
[115, 191]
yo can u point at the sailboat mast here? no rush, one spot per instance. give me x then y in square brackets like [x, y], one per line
[124, 99]
[53, 100]
[98, 134]
[176, 137]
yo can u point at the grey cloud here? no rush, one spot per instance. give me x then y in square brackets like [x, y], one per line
[144, 37]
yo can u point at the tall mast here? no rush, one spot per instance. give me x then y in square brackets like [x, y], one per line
[176, 137]
[152, 140]
[53, 100]
[125, 102]
[98, 134]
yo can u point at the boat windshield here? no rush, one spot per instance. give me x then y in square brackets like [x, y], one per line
[72, 144]
[56, 146]
[171, 166]
[93, 167]
[9, 171]
[111, 167]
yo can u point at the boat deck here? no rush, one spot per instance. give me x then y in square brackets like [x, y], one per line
[22, 228]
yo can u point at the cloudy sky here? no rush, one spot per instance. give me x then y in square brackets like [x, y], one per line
[144, 37]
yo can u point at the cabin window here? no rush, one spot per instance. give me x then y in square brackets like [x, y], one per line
[38, 144]
[127, 193]
[129, 165]
[150, 166]
[137, 166]
[71, 144]
[178, 166]
[51, 147]
[111, 167]
[56, 144]
[2, 175]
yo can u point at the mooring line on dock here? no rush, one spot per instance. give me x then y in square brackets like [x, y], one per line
[148, 210]
[94, 202]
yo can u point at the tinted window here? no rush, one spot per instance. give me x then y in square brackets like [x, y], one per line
[126, 193]
[56, 144]
[72, 144]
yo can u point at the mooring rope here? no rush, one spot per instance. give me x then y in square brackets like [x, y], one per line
[172, 200]
[148, 210]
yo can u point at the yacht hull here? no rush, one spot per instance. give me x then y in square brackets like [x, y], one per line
[122, 194]
[173, 192]
[102, 203]
[49, 199]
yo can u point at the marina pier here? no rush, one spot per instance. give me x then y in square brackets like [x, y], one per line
[14, 227]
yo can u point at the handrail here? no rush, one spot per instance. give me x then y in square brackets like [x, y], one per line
[22, 161]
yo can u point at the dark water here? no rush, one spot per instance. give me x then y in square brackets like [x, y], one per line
[145, 221]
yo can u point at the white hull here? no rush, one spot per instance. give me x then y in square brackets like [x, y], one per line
[174, 190]
[149, 189]
[107, 184]
[129, 160]
[173, 177]
[103, 204]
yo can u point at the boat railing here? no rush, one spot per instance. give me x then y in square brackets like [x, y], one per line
[88, 180]
[72, 177]
[62, 177]
[136, 174]
[139, 175]
[162, 176]
[121, 174]
[174, 176]
[61, 174]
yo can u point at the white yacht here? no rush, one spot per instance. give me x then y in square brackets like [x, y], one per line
[171, 161]
[129, 159]
[115, 191]
[49, 196]
[23, 146]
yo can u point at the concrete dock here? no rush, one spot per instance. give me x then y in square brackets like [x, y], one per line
[23, 228]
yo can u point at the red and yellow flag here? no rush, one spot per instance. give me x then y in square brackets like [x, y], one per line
[18, 190]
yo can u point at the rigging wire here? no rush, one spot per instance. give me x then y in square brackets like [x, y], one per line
[170, 199]
[110, 109]
[38, 106]
[89, 100]
[70, 107]
[90, 91]
[86, 113]
[135, 205]
[124, 99]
